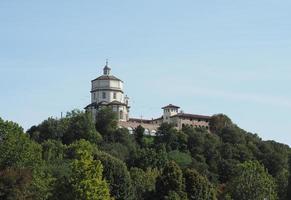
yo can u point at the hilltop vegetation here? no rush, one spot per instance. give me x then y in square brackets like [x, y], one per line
[73, 158]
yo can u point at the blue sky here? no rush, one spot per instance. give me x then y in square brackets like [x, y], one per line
[208, 57]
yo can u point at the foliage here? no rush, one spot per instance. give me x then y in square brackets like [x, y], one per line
[59, 156]
[139, 135]
[197, 186]
[150, 157]
[106, 122]
[117, 175]
[182, 159]
[219, 122]
[86, 180]
[16, 150]
[9, 127]
[75, 126]
[252, 182]
[289, 179]
[80, 126]
[15, 184]
[170, 183]
[144, 182]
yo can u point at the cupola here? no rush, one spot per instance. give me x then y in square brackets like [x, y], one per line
[106, 69]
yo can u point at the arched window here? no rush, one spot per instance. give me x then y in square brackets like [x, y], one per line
[121, 114]
[153, 132]
[146, 131]
[130, 130]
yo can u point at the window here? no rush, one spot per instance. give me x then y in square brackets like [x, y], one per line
[94, 96]
[114, 95]
[104, 95]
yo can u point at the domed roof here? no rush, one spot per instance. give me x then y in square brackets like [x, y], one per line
[107, 77]
[106, 67]
[106, 74]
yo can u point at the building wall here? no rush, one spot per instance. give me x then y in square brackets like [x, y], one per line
[179, 122]
[97, 96]
[150, 129]
[168, 112]
[109, 87]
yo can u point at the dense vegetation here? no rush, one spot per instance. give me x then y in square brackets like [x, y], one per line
[73, 158]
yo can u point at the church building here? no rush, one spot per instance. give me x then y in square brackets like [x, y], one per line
[107, 91]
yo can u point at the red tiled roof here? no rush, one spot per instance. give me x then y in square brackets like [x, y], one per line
[191, 116]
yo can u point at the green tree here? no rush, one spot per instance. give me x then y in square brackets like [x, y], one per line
[117, 175]
[168, 135]
[197, 186]
[80, 126]
[170, 182]
[150, 157]
[17, 152]
[144, 182]
[86, 181]
[139, 135]
[289, 180]
[8, 127]
[219, 122]
[48, 129]
[75, 126]
[252, 182]
[106, 122]
[181, 158]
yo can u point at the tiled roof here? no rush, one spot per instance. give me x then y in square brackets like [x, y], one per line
[146, 121]
[105, 103]
[117, 103]
[170, 106]
[191, 116]
[107, 77]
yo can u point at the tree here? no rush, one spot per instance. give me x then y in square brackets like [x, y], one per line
[289, 180]
[252, 182]
[170, 182]
[149, 157]
[167, 135]
[106, 122]
[86, 181]
[219, 122]
[75, 126]
[117, 175]
[197, 186]
[80, 126]
[8, 127]
[182, 159]
[48, 129]
[53, 150]
[139, 135]
[15, 184]
[143, 182]
[17, 152]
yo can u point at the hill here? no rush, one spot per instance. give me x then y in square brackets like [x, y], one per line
[75, 158]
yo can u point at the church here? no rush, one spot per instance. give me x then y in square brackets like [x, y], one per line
[107, 91]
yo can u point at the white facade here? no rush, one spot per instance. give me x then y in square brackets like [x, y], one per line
[107, 90]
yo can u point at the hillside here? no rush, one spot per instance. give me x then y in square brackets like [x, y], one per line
[75, 158]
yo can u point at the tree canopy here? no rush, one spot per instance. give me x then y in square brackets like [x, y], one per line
[77, 158]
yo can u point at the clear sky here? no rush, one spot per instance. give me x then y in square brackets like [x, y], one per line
[219, 56]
